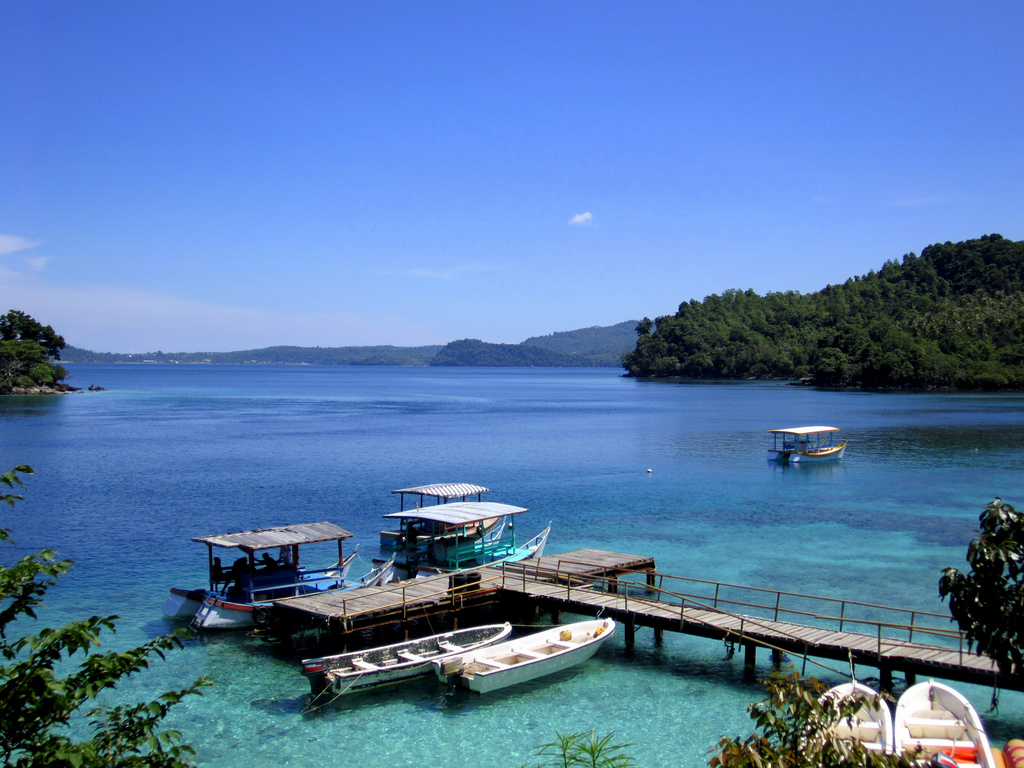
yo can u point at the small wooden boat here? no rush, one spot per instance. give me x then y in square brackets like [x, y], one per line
[932, 719]
[241, 596]
[871, 724]
[375, 666]
[527, 658]
[806, 444]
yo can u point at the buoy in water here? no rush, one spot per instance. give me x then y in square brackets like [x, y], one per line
[649, 471]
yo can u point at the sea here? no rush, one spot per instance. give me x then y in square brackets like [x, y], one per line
[126, 476]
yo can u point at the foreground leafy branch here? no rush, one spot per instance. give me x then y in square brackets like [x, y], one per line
[796, 730]
[988, 602]
[37, 705]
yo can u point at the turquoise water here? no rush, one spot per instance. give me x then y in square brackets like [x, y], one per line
[126, 476]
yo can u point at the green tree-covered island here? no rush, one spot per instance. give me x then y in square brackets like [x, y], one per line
[951, 318]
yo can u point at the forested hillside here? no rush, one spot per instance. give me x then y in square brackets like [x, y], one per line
[597, 346]
[481, 353]
[952, 317]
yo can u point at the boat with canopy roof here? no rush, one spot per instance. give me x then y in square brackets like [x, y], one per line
[454, 536]
[241, 595]
[806, 444]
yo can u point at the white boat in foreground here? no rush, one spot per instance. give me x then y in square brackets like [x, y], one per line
[375, 666]
[933, 719]
[527, 658]
[806, 444]
[870, 724]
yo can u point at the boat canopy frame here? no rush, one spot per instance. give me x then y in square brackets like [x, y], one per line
[443, 492]
[803, 439]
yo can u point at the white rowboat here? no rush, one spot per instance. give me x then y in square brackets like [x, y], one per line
[387, 664]
[933, 719]
[527, 658]
[871, 724]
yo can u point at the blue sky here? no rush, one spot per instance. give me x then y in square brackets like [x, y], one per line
[195, 176]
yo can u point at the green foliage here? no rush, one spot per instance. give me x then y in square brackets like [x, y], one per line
[795, 730]
[950, 318]
[17, 325]
[37, 704]
[26, 350]
[988, 602]
[584, 750]
[598, 346]
[473, 352]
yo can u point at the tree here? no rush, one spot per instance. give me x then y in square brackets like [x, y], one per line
[988, 602]
[37, 704]
[15, 326]
[796, 731]
[26, 351]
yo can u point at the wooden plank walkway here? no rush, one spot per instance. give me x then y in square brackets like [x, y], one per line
[885, 653]
[628, 589]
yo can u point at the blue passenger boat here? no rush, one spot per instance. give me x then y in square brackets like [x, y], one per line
[241, 595]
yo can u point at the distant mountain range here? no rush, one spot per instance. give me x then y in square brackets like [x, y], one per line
[595, 347]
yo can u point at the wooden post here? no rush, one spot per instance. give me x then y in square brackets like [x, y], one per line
[776, 657]
[659, 636]
[630, 632]
[884, 679]
[911, 678]
[556, 616]
[749, 660]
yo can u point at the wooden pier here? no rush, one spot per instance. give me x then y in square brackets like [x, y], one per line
[628, 589]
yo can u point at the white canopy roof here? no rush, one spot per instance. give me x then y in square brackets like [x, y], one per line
[460, 513]
[805, 430]
[445, 490]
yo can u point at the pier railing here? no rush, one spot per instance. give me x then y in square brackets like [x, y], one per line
[753, 606]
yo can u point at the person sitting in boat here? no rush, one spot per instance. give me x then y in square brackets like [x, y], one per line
[268, 563]
[217, 575]
[239, 570]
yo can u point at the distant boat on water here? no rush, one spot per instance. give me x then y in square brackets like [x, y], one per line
[806, 445]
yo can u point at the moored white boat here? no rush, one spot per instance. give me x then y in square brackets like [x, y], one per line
[526, 658]
[375, 666]
[241, 596]
[805, 445]
[934, 719]
[871, 724]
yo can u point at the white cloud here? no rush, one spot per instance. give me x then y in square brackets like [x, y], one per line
[12, 243]
[582, 219]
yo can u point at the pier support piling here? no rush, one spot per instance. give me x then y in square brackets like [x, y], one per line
[749, 660]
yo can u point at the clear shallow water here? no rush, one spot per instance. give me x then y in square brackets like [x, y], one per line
[126, 476]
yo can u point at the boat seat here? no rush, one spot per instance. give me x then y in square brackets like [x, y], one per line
[561, 644]
[935, 728]
[409, 656]
[365, 666]
[862, 730]
[444, 645]
[491, 663]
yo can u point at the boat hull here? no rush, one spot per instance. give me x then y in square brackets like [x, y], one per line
[871, 725]
[519, 661]
[371, 667]
[932, 718]
[807, 457]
